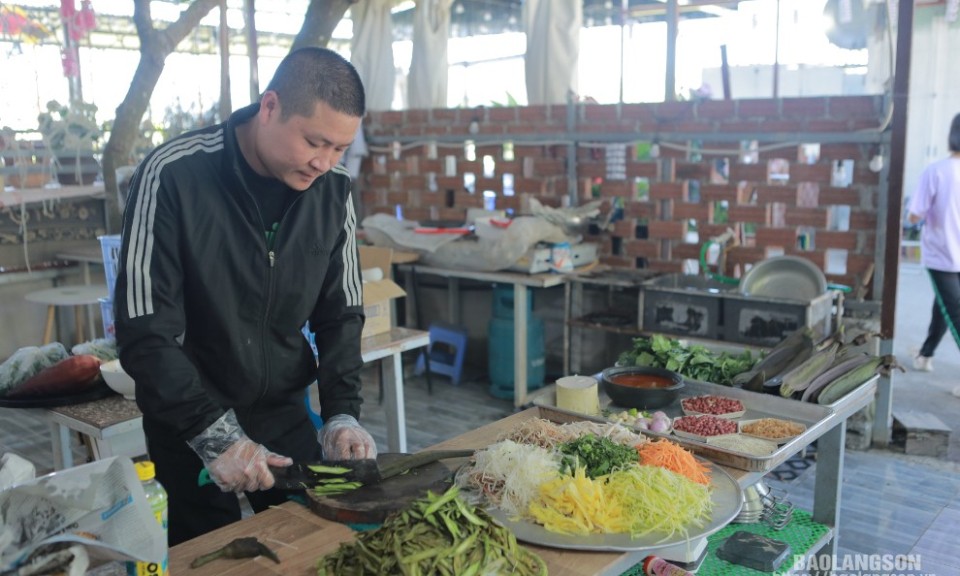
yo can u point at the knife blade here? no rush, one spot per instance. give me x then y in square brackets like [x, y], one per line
[301, 475]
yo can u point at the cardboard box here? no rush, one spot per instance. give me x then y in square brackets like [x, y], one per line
[378, 295]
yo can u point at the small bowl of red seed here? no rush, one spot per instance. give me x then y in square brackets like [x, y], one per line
[721, 406]
[703, 426]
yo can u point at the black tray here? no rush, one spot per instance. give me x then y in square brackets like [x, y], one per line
[97, 392]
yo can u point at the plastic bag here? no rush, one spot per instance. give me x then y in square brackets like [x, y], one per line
[496, 250]
[103, 348]
[15, 470]
[28, 362]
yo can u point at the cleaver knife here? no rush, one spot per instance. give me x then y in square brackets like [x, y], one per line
[301, 475]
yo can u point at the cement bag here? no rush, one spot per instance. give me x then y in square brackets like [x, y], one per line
[495, 249]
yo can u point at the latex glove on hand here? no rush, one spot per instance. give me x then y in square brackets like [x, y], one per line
[235, 462]
[343, 438]
[244, 467]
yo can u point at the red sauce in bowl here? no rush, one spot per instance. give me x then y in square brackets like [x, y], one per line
[642, 380]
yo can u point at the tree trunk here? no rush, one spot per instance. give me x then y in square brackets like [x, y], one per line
[226, 106]
[319, 22]
[155, 46]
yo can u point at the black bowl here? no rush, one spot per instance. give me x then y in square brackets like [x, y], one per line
[638, 397]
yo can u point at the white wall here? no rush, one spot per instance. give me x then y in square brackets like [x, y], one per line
[934, 90]
[757, 81]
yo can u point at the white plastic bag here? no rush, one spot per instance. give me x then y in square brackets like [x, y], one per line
[497, 250]
[27, 362]
[103, 348]
[15, 470]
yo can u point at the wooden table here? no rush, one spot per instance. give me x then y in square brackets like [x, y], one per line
[115, 425]
[297, 535]
[310, 538]
[322, 536]
[300, 538]
[520, 282]
[33, 195]
[387, 347]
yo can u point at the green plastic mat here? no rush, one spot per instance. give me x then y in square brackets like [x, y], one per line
[801, 533]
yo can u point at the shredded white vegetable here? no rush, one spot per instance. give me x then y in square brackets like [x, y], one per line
[745, 444]
[547, 434]
[509, 475]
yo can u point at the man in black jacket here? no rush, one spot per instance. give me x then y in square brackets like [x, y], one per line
[234, 236]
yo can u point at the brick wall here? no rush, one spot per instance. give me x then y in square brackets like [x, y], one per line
[742, 164]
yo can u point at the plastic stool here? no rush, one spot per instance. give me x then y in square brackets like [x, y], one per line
[314, 417]
[441, 362]
[310, 394]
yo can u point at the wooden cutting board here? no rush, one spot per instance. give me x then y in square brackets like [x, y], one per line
[371, 504]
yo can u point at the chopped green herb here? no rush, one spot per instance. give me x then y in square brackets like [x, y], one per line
[694, 362]
[599, 456]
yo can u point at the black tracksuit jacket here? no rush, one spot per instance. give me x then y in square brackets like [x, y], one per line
[208, 319]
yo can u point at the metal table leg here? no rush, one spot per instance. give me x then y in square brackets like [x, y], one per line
[829, 479]
[392, 375]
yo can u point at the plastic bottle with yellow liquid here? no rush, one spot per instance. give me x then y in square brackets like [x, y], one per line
[157, 497]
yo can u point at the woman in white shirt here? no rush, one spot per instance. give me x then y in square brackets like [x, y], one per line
[937, 203]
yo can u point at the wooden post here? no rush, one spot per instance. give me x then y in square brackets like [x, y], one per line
[249, 20]
[776, 56]
[898, 143]
[725, 72]
[670, 89]
[225, 106]
[887, 274]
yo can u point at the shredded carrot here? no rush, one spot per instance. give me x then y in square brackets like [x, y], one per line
[673, 457]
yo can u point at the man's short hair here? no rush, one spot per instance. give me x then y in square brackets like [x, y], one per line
[313, 74]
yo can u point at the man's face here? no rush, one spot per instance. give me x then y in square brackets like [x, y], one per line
[299, 150]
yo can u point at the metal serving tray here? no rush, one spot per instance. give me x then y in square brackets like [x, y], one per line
[818, 419]
[856, 399]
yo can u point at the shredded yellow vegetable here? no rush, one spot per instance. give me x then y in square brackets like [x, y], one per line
[638, 500]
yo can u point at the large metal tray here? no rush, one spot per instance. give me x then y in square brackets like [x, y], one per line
[784, 277]
[727, 501]
[818, 419]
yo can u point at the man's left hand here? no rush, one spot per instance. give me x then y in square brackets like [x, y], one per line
[343, 438]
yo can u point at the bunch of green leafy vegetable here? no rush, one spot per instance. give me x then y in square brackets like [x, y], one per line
[599, 456]
[694, 362]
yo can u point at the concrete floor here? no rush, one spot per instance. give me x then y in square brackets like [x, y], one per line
[892, 502]
[929, 392]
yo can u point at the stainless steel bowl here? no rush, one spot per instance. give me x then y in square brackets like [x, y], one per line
[784, 278]
[754, 503]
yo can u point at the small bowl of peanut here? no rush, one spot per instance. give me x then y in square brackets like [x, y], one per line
[772, 429]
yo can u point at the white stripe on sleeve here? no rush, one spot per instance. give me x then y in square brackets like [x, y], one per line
[352, 287]
[141, 244]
